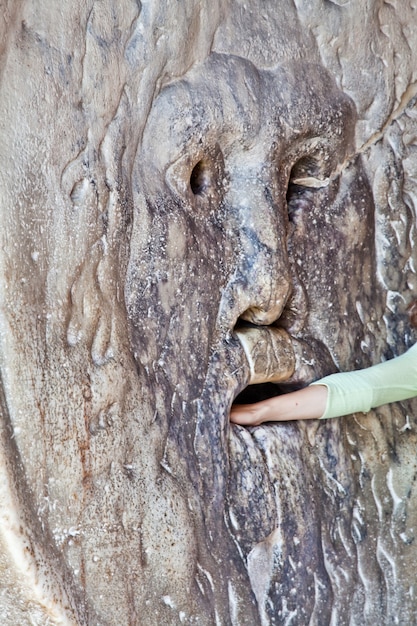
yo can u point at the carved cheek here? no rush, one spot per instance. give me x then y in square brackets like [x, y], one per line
[331, 245]
[174, 286]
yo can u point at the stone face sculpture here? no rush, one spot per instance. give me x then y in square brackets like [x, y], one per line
[194, 199]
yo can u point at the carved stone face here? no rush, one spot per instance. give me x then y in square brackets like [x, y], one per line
[229, 209]
[250, 258]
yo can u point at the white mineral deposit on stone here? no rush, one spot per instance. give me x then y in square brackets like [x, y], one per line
[396, 499]
[289, 617]
[332, 479]
[388, 563]
[233, 604]
[407, 425]
[233, 520]
[392, 300]
[377, 499]
[168, 601]
[359, 310]
[406, 537]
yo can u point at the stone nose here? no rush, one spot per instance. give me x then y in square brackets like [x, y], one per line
[262, 282]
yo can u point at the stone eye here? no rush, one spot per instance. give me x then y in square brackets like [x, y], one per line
[304, 168]
[301, 186]
[200, 178]
[207, 179]
[299, 199]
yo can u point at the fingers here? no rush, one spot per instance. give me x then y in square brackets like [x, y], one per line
[246, 415]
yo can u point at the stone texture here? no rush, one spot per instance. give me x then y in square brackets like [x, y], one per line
[172, 173]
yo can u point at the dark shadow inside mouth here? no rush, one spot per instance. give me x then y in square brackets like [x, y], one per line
[263, 391]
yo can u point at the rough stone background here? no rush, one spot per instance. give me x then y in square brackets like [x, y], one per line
[148, 153]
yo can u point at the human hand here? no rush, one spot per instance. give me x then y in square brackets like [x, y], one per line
[307, 403]
[248, 414]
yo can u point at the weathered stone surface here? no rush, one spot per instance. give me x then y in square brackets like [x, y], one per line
[172, 175]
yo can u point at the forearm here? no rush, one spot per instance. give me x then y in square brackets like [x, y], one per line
[338, 394]
[307, 403]
[359, 391]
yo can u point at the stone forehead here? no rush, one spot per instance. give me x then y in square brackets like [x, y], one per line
[228, 96]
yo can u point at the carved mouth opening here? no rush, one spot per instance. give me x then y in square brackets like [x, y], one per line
[271, 362]
[263, 391]
[279, 363]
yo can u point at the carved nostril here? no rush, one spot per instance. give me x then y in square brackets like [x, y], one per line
[200, 178]
[258, 316]
[268, 313]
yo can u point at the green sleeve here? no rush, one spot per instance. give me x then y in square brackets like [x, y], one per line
[360, 391]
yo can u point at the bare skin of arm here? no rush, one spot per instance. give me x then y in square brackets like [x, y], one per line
[307, 403]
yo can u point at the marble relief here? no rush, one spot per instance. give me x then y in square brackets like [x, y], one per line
[199, 203]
